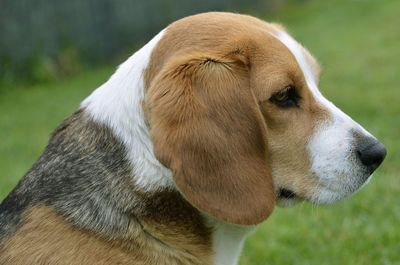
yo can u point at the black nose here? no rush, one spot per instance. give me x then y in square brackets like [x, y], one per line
[371, 153]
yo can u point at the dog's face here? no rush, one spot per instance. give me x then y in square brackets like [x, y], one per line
[235, 112]
[317, 152]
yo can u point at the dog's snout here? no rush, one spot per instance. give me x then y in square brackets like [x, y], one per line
[371, 153]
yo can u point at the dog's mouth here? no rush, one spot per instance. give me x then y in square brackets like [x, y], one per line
[286, 194]
[286, 197]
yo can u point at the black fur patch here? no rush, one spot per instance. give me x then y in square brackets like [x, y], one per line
[83, 174]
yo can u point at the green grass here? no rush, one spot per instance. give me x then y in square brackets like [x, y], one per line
[358, 44]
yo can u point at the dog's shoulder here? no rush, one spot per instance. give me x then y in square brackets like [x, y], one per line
[61, 173]
[53, 215]
[45, 238]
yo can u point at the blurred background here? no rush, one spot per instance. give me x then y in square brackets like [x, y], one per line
[47, 38]
[54, 53]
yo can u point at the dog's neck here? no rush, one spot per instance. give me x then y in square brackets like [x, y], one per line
[117, 104]
[91, 186]
[228, 240]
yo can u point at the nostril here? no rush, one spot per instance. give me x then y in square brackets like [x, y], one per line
[371, 153]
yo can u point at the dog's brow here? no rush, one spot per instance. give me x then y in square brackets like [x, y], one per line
[298, 52]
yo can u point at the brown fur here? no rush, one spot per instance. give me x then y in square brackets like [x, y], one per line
[212, 137]
[210, 73]
[45, 238]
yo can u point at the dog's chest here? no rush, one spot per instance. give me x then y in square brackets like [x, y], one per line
[228, 242]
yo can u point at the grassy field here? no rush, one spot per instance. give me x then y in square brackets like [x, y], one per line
[358, 44]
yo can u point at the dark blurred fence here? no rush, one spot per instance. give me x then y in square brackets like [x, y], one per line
[45, 37]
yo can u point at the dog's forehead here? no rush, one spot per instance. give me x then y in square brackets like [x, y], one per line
[307, 63]
[268, 44]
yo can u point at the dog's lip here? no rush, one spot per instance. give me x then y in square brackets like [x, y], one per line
[287, 194]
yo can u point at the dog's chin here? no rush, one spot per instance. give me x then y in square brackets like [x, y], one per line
[289, 198]
[287, 203]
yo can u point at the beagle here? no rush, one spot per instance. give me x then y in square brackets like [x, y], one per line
[184, 150]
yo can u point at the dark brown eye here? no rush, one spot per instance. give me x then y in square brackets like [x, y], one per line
[286, 98]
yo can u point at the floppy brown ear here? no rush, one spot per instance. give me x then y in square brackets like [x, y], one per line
[207, 128]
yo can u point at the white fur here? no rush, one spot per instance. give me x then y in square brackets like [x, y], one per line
[228, 241]
[118, 104]
[331, 147]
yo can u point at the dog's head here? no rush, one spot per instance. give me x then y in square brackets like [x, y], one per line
[234, 111]
[236, 114]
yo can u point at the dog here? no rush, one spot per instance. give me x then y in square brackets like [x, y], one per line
[185, 150]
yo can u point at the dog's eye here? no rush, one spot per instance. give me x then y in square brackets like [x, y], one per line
[286, 97]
